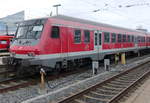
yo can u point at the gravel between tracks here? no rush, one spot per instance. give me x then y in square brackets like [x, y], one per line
[24, 94]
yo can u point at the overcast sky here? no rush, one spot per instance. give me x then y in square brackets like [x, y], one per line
[112, 12]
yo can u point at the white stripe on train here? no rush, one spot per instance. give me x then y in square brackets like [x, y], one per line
[70, 54]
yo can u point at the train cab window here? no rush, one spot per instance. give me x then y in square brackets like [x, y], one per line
[106, 37]
[119, 38]
[86, 36]
[113, 38]
[55, 32]
[77, 36]
[124, 38]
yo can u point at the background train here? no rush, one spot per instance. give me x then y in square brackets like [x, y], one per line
[5, 42]
[60, 42]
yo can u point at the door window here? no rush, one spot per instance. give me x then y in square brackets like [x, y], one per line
[86, 36]
[100, 38]
[96, 38]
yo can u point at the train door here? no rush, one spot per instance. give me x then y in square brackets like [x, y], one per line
[97, 42]
[64, 42]
[136, 41]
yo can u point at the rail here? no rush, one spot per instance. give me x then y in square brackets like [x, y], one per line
[112, 89]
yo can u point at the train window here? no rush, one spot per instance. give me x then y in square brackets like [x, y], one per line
[100, 39]
[77, 36]
[129, 38]
[55, 32]
[132, 38]
[124, 38]
[113, 38]
[142, 39]
[135, 39]
[95, 38]
[119, 38]
[139, 39]
[106, 37]
[86, 36]
[147, 39]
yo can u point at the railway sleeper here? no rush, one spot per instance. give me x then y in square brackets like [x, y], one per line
[117, 85]
[118, 80]
[111, 88]
[127, 79]
[134, 74]
[106, 91]
[91, 99]
[98, 95]
[132, 77]
[78, 101]
[120, 83]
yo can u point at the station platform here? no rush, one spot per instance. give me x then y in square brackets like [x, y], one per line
[141, 95]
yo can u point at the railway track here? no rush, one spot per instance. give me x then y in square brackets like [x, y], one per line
[111, 90]
[13, 83]
[7, 74]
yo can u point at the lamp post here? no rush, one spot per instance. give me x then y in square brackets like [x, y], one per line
[6, 27]
[57, 8]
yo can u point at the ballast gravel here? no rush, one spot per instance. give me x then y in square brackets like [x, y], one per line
[26, 94]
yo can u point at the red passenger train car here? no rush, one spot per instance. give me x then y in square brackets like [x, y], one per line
[59, 41]
[148, 40]
[5, 42]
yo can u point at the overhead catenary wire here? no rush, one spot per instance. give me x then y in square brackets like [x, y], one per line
[121, 9]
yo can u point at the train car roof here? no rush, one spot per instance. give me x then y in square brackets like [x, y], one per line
[84, 21]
